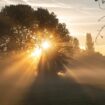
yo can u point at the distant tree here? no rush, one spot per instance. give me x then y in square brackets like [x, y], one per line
[89, 43]
[76, 43]
[76, 48]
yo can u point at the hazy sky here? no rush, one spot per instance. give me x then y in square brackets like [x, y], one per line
[80, 16]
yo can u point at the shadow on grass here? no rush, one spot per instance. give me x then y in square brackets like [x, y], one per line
[62, 91]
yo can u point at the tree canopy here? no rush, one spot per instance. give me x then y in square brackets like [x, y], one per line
[22, 28]
[18, 21]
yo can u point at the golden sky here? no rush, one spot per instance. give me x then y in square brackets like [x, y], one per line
[80, 16]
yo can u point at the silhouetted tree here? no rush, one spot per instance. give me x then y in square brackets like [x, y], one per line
[23, 18]
[28, 27]
[89, 43]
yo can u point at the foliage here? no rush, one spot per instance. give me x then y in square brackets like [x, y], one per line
[25, 20]
[22, 28]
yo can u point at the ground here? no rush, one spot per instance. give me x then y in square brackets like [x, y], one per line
[82, 86]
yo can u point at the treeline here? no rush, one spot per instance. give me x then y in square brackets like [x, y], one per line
[88, 49]
[22, 27]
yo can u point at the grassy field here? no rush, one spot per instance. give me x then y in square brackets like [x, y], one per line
[19, 86]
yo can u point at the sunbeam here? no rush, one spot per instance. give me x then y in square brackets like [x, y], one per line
[19, 77]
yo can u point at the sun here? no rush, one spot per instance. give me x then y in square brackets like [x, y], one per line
[46, 44]
[41, 48]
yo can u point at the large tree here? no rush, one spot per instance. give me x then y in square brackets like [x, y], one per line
[36, 22]
[25, 27]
